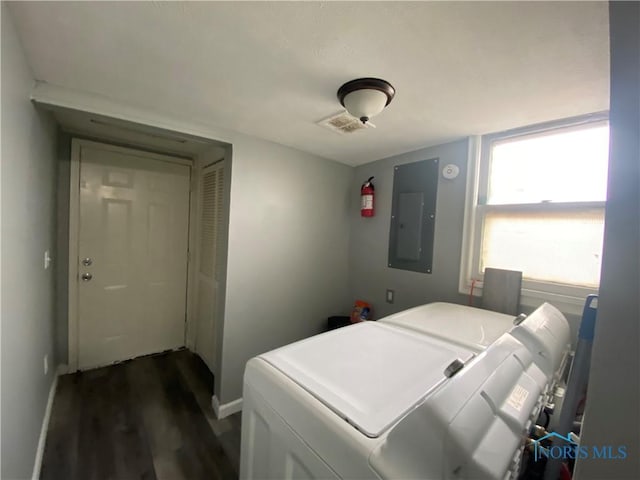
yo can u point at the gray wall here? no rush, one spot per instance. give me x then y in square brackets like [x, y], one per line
[612, 416]
[288, 252]
[368, 247]
[370, 276]
[287, 263]
[28, 229]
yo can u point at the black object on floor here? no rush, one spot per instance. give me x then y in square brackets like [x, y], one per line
[337, 322]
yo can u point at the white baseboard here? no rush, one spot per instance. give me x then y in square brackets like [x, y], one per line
[37, 466]
[226, 409]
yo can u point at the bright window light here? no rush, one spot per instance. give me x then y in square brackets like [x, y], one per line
[540, 205]
[564, 166]
[558, 247]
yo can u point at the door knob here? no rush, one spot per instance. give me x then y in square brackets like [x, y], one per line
[87, 261]
[86, 277]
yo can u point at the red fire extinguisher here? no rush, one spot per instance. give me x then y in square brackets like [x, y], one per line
[366, 198]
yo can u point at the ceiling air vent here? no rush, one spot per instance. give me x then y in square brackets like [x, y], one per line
[342, 123]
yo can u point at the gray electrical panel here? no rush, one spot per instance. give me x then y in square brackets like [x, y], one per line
[413, 216]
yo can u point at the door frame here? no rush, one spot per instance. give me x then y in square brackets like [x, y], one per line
[74, 235]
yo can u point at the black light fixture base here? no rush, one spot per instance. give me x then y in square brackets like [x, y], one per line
[368, 83]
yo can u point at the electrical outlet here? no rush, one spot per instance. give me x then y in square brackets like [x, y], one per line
[46, 364]
[390, 295]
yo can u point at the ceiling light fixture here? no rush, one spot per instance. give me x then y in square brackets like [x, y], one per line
[366, 97]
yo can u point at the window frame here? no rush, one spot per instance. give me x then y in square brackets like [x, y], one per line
[569, 298]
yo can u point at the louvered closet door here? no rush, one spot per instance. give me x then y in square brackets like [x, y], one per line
[211, 214]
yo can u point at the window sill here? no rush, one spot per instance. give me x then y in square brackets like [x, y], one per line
[567, 304]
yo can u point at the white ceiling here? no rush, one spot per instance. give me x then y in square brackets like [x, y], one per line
[272, 69]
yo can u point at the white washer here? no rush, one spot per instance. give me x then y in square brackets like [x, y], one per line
[369, 374]
[372, 401]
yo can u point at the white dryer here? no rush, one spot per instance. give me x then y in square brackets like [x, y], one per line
[381, 400]
[471, 327]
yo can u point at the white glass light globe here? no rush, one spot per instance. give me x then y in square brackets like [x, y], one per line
[366, 103]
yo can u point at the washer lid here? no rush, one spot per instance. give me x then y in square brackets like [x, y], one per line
[370, 374]
[472, 327]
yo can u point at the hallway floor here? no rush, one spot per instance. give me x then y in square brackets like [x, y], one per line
[147, 418]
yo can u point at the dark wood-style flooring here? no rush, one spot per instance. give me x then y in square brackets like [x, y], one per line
[147, 418]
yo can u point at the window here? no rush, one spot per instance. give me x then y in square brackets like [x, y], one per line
[535, 203]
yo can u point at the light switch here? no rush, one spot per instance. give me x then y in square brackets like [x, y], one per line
[47, 259]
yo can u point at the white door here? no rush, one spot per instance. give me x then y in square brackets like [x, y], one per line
[133, 240]
[211, 215]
